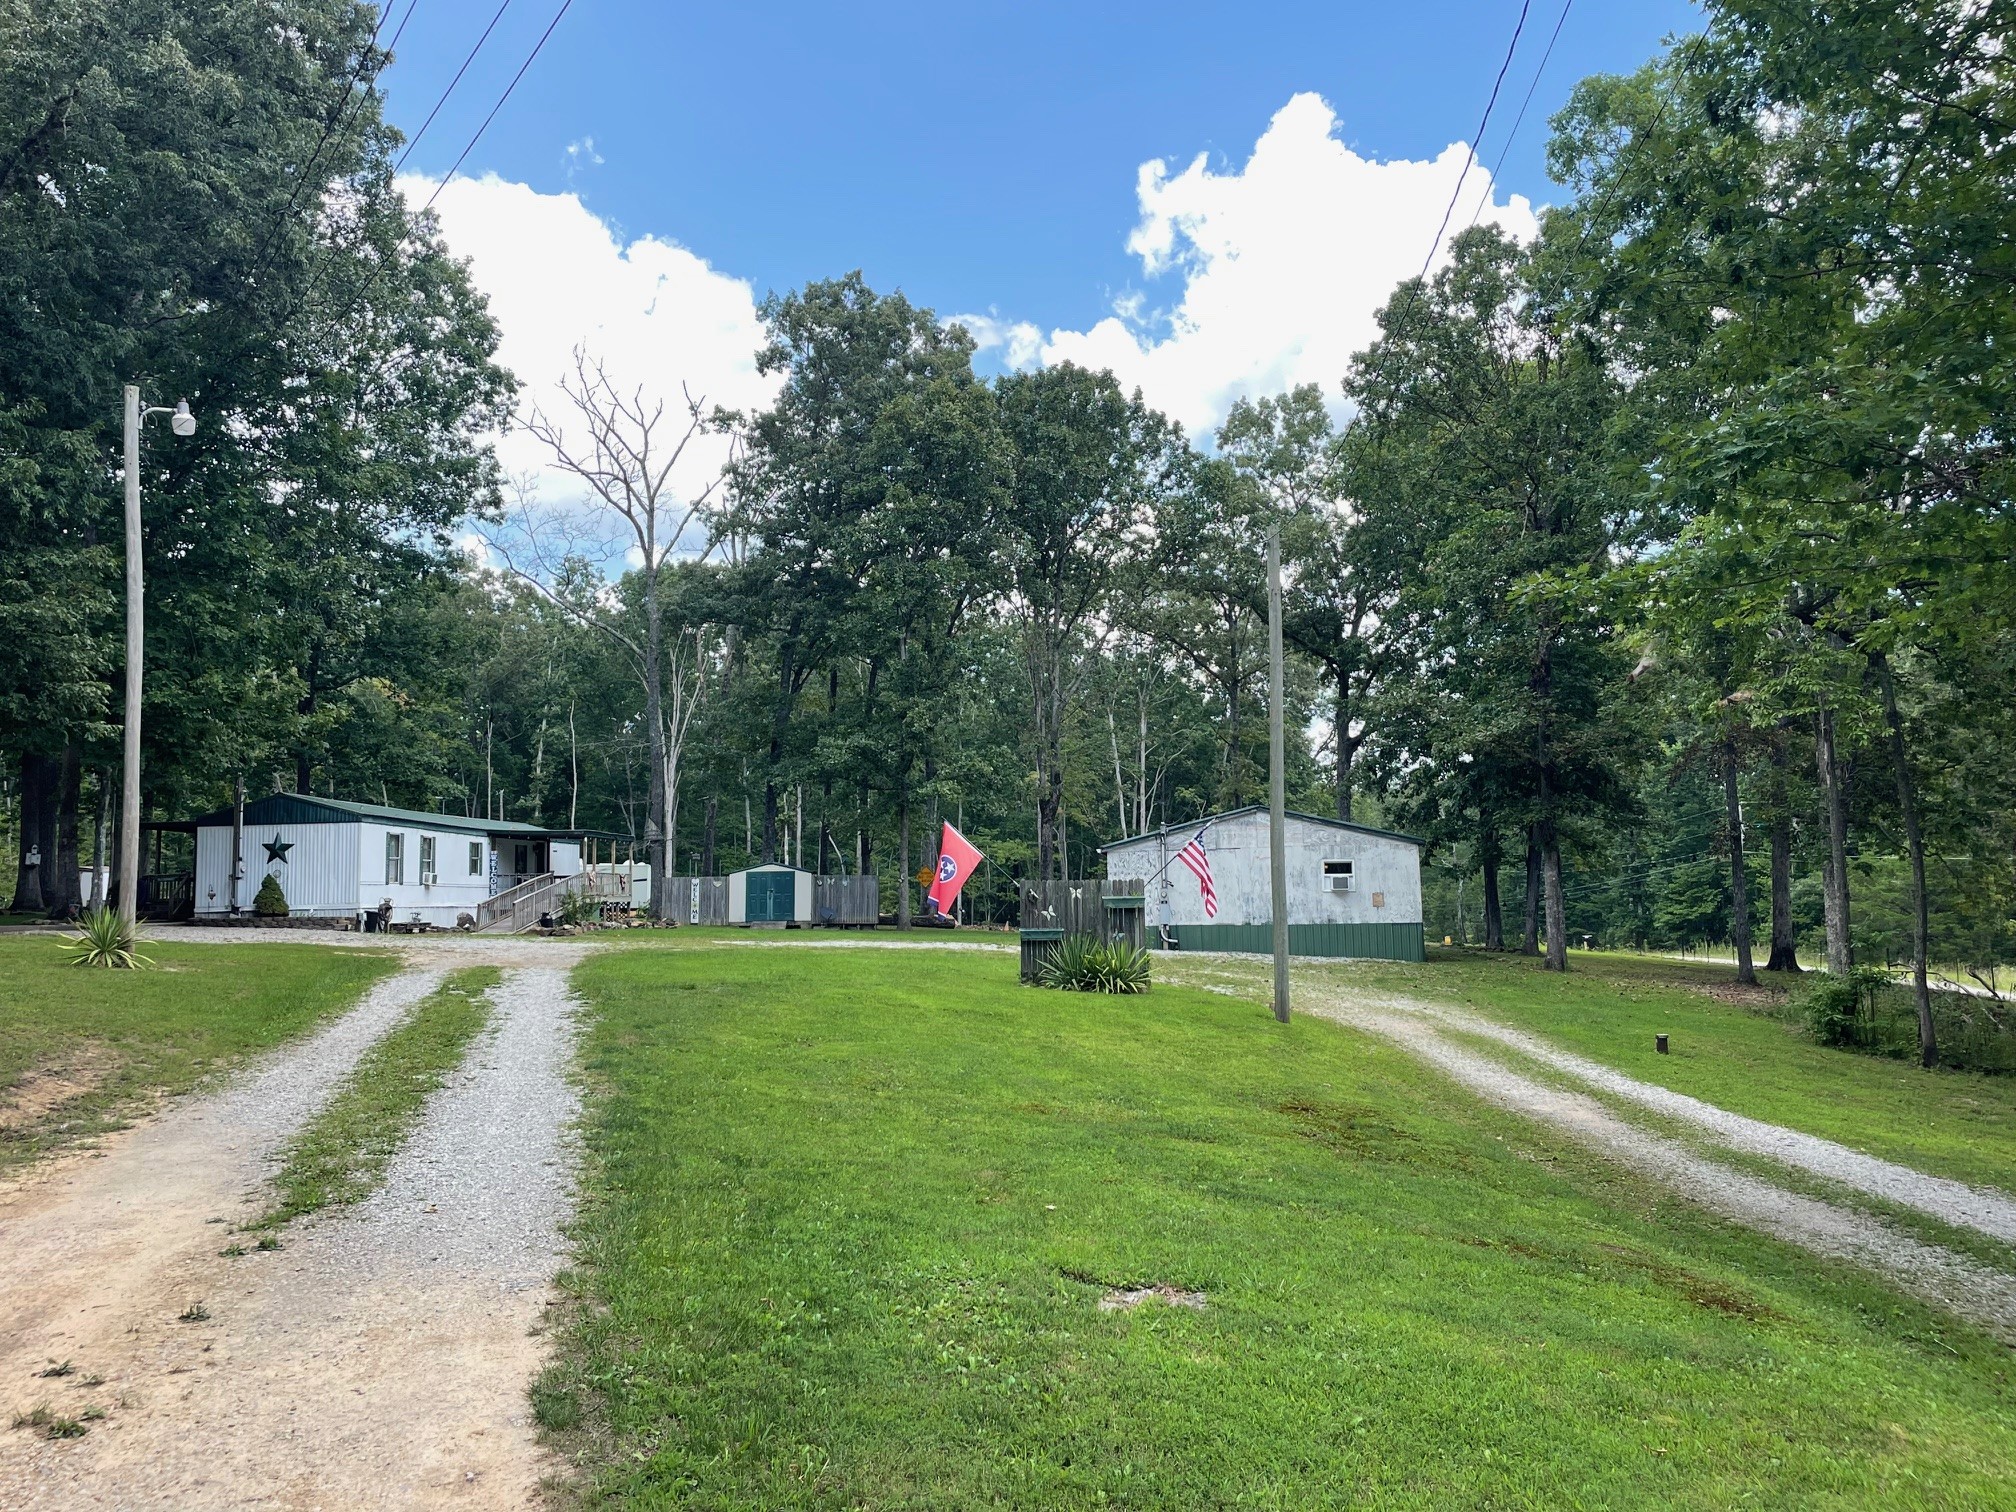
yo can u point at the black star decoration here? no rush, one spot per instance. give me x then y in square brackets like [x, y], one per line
[276, 848]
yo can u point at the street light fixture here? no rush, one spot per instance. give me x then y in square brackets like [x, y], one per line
[183, 424]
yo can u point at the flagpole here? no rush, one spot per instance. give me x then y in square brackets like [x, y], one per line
[1277, 777]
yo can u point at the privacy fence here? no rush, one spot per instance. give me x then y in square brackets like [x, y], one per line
[1113, 908]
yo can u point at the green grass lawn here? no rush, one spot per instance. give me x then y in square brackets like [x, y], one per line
[1740, 1056]
[849, 1218]
[116, 1038]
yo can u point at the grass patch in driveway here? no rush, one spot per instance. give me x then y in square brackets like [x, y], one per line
[341, 1155]
[81, 1051]
[850, 1218]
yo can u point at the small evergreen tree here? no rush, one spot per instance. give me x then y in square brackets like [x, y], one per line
[271, 902]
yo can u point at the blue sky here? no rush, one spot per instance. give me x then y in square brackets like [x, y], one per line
[979, 156]
[1211, 202]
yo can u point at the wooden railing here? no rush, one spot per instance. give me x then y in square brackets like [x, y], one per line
[521, 907]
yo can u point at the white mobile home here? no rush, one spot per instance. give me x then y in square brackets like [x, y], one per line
[343, 860]
[1352, 890]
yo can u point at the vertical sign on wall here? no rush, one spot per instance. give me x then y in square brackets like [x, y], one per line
[696, 901]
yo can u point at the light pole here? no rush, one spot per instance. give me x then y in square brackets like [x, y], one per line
[184, 424]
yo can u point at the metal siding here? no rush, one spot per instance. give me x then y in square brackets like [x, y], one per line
[455, 894]
[1240, 874]
[319, 875]
[1371, 941]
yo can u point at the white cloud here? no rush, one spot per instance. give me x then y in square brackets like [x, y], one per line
[1284, 264]
[580, 154]
[558, 276]
[1019, 341]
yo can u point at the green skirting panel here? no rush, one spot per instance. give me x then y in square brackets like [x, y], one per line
[1376, 942]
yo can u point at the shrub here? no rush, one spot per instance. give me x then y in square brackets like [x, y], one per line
[270, 902]
[580, 908]
[1085, 963]
[105, 939]
[1833, 1007]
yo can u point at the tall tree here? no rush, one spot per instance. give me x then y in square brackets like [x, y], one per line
[1088, 464]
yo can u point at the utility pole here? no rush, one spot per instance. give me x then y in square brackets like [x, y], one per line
[129, 789]
[1277, 776]
[184, 424]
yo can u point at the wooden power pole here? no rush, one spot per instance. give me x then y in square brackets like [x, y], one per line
[1277, 776]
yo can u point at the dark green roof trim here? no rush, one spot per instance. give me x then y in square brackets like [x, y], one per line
[1261, 808]
[304, 808]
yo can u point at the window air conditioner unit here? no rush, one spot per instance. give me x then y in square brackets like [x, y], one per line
[428, 879]
[1338, 884]
[1337, 877]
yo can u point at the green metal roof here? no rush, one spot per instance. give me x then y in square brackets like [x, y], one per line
[1261, 808]
[304, 808]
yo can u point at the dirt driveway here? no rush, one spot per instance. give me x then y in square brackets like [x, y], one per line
[379, 1359]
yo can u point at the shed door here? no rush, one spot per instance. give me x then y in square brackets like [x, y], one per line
[770, 897]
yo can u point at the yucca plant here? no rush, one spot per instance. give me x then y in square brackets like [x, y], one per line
[1122, 968]
[1085, 963]
[1070, 966]
[105, 939]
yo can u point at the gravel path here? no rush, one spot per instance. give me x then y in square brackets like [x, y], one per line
[1953, 1281]
[381, 1358]
[1956, 1282]
[1954, 1202]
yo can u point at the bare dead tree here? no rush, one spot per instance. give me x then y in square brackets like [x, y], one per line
[622, 445]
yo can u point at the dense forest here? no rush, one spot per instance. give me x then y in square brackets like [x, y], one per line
[1657, 572]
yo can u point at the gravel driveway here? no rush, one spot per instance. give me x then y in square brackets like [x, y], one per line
[1962, 1285]
[381, 1358]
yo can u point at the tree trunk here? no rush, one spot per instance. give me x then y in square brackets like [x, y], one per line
[1739, 880]
[1494, 910]
[1345, 747]
[304, 709]
[38, 794]
[61, 892]
[100, 813]
[1914, 841]
[1529, 943]
[1557, 910]
[1784, 948]
[655, 836]
[903, 852]
[1840, 954]
[707, 835]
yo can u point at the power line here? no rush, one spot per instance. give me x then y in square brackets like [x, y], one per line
[1482, 125]
[1520, 119]
[367, 57]
[443, 100]
[537, 47]
[1415, 284]
[371, 281]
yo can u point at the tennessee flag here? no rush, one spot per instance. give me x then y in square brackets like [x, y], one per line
[956, 860]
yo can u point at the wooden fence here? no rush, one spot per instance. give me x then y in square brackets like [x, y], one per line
[846, 901]
[840, 901]
[697, 900]
[1112, 909]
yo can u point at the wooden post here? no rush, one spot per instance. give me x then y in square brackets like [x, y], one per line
[1277, 776]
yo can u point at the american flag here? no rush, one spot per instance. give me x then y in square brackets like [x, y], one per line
[1194, 857]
